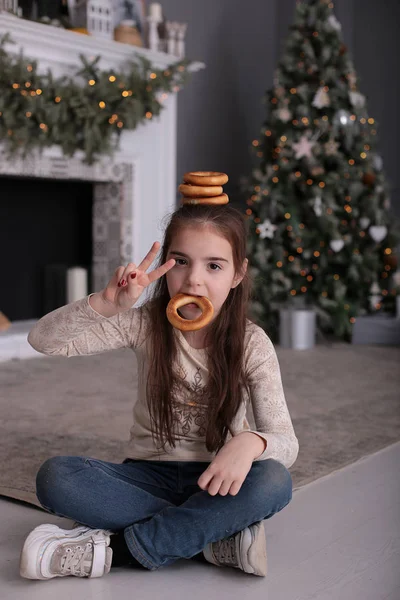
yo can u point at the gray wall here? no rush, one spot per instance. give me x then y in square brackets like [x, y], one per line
[221, 109]
[376, 50]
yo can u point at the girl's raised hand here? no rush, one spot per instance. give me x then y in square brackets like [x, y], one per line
[128, 283]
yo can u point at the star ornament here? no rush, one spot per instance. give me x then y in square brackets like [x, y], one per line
[303, 147]
[267, 229]
[331, 147]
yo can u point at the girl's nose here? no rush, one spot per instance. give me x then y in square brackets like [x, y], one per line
[194, 276]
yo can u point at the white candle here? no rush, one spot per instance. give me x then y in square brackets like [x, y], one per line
[155, 11]
[76, 284]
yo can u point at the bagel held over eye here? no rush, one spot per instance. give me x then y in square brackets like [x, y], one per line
[189, 324]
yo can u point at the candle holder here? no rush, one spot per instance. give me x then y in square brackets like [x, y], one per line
[154, 38]
[180, 41]
[175, 38]
[171, 28]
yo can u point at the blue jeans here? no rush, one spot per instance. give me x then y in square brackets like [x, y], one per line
[164, 514]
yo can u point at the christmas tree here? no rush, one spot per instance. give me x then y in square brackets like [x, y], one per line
[318, 203]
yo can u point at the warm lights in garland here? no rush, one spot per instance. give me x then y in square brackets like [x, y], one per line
[64, 127]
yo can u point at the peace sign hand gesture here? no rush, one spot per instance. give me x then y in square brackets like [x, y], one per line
[128, 283]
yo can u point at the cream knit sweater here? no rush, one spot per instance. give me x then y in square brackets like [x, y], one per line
[77, 329]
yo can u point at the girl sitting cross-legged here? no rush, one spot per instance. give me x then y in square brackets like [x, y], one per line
[197, 482]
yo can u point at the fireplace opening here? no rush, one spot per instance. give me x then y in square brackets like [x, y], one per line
[45, 228]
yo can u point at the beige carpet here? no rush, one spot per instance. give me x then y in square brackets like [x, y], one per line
[344, 401]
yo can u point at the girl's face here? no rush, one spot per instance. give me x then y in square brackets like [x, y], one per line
[204, 267]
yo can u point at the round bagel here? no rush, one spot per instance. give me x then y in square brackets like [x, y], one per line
[198, 191]
[189, 324]
[205, 178]
[222, 199]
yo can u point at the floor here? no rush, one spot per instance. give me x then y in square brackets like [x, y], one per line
[339, 539]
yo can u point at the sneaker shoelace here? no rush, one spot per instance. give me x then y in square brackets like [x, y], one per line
[225, 551]
[76, 560]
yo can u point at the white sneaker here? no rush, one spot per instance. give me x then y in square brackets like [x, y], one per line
[246, 550]
[50, 551]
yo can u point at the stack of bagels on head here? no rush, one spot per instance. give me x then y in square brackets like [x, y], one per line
[203, 187]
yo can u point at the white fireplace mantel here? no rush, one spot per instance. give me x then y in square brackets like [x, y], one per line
[60, 48]
[151, 147]
[149, 151]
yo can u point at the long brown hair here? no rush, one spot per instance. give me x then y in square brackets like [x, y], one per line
[225, 338]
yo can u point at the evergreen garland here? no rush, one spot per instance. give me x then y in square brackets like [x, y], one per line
[86, 112]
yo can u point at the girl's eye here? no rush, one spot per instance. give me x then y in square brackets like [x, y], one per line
[182, 261]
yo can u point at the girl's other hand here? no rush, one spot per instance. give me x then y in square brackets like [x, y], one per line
[227, 472]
